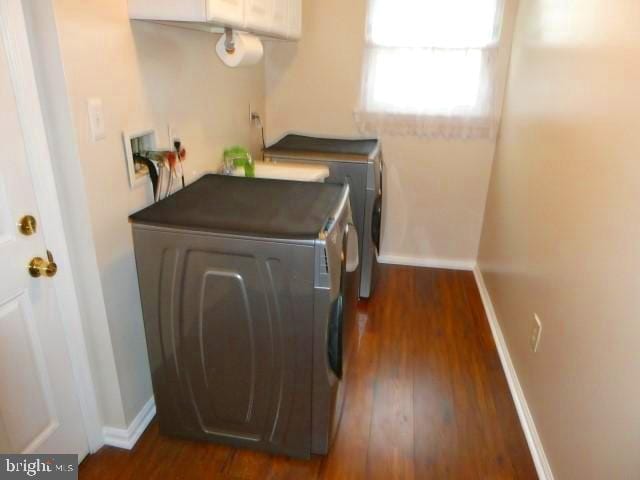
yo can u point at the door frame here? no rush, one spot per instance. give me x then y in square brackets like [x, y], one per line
[13, 30]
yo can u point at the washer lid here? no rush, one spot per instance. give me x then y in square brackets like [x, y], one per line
[302, 146]
[248, 207]
[301, 172]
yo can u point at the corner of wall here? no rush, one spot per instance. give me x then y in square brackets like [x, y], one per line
[127, 438]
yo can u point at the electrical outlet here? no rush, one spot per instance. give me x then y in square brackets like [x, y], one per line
[254, 117]
[173, 134]
[536, 334]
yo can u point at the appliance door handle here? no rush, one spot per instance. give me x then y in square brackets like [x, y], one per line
[334, 340]
[336, 322]
[353, 257]
[376, 223]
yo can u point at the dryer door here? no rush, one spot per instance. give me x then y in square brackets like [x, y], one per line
[376, 218]
[336, 320]
[334, 347]
[376, 223]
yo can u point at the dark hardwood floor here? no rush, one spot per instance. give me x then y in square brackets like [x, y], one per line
[426, 399]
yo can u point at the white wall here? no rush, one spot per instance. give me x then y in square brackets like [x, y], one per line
[146, 75]
[561, 236]
[436, 189]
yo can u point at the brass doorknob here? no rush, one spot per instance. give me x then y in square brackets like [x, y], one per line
[39, 267]
[27, 225]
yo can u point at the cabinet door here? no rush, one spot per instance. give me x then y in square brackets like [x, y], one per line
[281, 17]
[295, 19]
[226, 12]
[170, 10]
[259, 15]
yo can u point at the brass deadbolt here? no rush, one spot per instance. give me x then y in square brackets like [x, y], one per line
[28, 225]
[39, 267]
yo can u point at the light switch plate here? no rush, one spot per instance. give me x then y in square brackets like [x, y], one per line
[96, 119]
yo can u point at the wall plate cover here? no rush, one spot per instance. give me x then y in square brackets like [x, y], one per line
[147, 139]
[96, 119]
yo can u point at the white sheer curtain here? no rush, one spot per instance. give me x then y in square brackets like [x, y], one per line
[430, 68]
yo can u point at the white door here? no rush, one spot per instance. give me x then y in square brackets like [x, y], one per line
[227, 12]
[39, 409]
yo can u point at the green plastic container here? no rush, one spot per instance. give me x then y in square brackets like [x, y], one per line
[239, 157]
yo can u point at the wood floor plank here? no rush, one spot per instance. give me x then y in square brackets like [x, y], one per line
[352, 440]
[251, 465]
[426, 398]
[246, 464]
[391, 454]
[471, 391]
[289, 469]
[158, 457]
[437, 442]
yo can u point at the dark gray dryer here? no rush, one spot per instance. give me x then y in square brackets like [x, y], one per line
[358, 163]
[242, 286]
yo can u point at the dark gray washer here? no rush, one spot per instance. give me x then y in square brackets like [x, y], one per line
[236, 312]
[358, 163]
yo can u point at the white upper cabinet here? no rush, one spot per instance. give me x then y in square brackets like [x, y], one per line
[230, 13]
[258, 15]
[169, 10]
[273, 18]
[295, 20]
[281, 17]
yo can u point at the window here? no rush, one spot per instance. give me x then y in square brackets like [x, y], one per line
[430, 67]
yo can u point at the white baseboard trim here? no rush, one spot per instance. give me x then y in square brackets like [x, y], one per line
[439, 263]
[127, 438]
[526, 419]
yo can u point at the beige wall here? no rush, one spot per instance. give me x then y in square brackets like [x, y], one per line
[146, 75]
[436, 189]
[561, 236]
